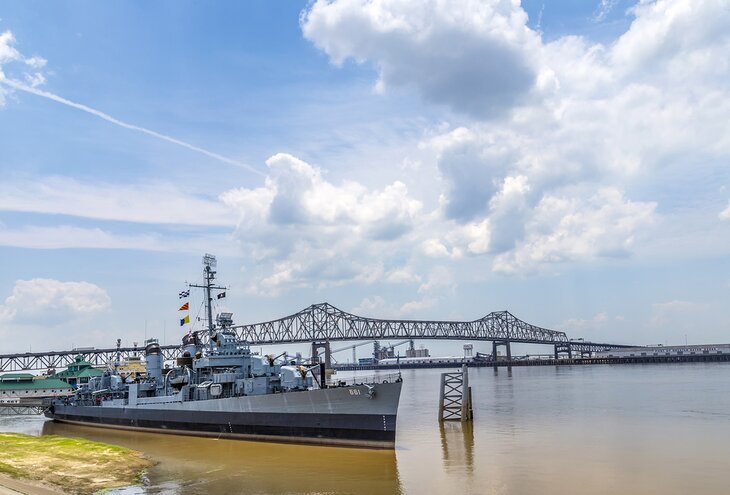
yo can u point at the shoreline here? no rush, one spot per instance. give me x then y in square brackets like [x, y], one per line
[52, 464]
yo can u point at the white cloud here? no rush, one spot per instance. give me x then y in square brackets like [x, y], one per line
[316, 233]
[474, 56]
[52, 301]
[725, 214]
[8, 53]
[520, 185]
[556, 152]
[414, 307]
[434, 248]
[572, 229]
[142, 203]
[604, 8]
[295, 193]
[667, 31]
[11, 57]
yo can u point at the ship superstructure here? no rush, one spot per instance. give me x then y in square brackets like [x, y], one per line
[219, 387]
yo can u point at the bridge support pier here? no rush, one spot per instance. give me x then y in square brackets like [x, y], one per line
[563, 348]
[495, 346]
[316, 354]
[324, 364]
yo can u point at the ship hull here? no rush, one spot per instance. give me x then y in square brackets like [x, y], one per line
[343, 416]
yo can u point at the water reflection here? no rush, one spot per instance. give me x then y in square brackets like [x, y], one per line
[656, 430]
[457, 445]
[191, 465]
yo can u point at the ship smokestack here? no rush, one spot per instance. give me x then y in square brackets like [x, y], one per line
[154, 358]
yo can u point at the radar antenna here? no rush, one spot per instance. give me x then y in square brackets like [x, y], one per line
[209, 262]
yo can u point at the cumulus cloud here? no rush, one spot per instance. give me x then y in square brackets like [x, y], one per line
[555, 152]
[295, 193]
[516, 183]
[565, 229]
[460, 240]
[474, 56]
[52, 301]
[418, 306]
[310, 229]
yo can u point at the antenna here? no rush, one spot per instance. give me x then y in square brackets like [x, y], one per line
[209, 262]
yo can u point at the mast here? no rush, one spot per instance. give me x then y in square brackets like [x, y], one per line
[209, 262]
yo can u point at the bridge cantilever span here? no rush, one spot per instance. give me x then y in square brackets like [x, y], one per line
[324, 322]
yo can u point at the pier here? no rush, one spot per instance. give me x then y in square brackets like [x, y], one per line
[574, 361]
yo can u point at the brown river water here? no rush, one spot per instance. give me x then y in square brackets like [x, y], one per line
[650, 429]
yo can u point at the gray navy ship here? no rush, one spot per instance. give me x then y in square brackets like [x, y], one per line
[220, 388]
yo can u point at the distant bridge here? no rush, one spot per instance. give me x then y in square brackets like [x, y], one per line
[323, 323]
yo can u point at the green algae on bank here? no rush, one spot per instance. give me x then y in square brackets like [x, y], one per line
[74, 465]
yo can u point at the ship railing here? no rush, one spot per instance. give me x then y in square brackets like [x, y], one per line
[362, 380]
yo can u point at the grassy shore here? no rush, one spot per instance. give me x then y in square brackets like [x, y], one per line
[73, 465]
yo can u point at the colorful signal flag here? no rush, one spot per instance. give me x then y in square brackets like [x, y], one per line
[185, 320]
[184, 307]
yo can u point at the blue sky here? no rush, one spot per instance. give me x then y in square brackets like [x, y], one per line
[568, 163]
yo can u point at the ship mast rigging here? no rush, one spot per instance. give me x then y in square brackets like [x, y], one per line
[209, 262]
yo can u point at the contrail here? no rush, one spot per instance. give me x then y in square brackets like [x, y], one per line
[109, 118]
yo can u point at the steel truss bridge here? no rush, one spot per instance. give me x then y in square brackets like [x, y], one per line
[323, 323]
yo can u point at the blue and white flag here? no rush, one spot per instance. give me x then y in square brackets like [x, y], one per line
[184, 294]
